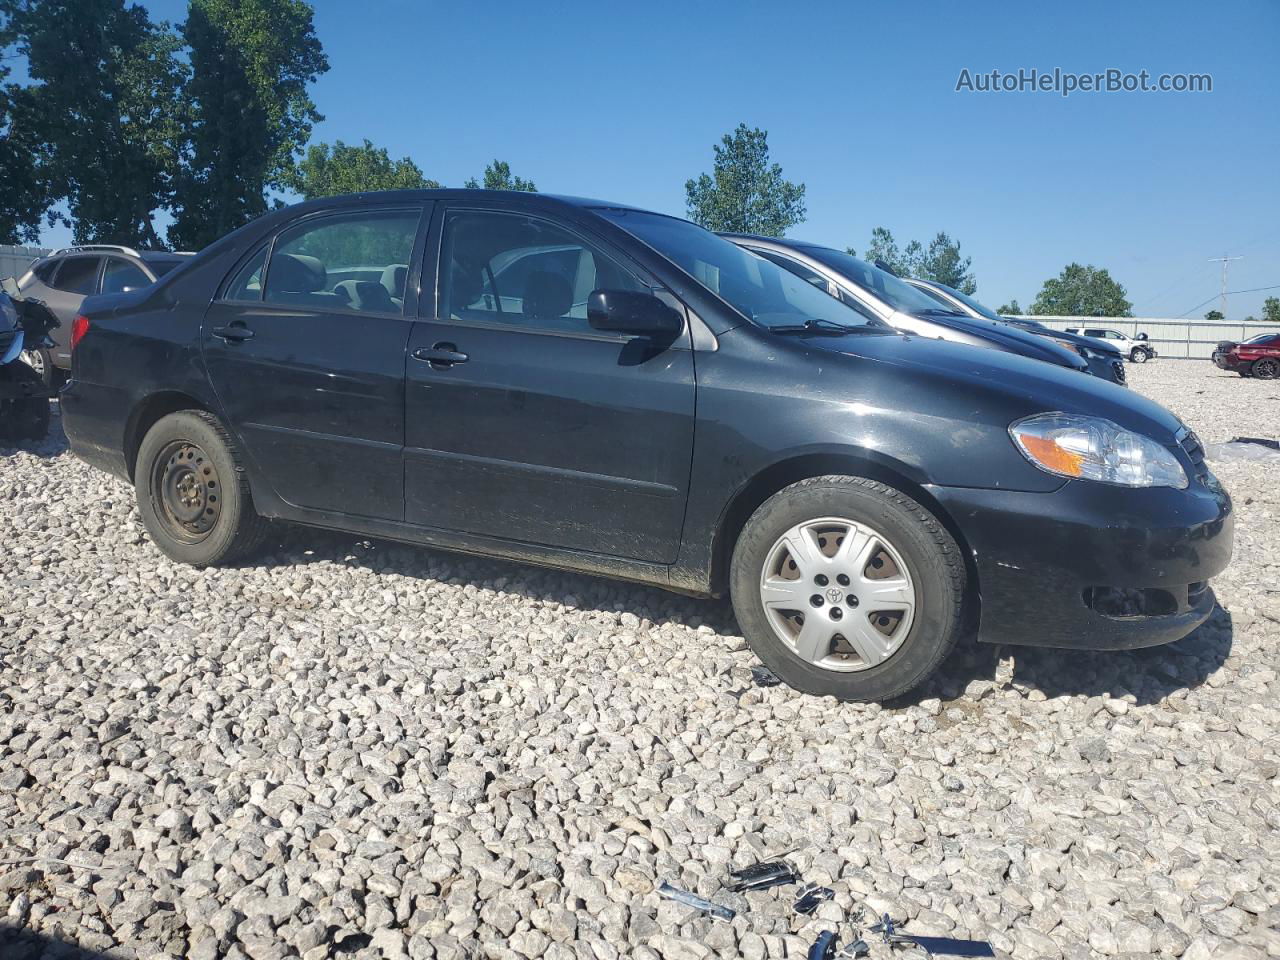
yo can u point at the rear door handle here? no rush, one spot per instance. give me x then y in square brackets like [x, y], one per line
[233, 334]
[441, 355]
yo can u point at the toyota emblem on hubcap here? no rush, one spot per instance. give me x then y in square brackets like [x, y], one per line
[834, 595]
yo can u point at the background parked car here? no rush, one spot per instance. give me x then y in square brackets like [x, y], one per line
[1105, 360]
[65, 277]
[1256, 357]
[880, 295]
[1136, 349]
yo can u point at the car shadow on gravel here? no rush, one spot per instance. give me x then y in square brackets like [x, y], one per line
[24, 944]
[52, 445]
[971, 671]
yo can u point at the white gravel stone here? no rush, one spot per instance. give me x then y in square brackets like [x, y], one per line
[365, 749]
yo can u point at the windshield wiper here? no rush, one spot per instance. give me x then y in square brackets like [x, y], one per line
[828, 328]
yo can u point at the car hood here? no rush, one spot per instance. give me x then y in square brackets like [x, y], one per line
[1026, 384]
[1093, 343]
[1009, 338]
[8, 314]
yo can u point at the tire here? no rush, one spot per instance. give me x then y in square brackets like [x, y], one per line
[193, 492]
[910, 647]
[1138, 355]
[26, 418]
[1268, 368]
[41, 361]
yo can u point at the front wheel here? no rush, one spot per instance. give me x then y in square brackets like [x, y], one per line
[40, 360]
[1268, 368]
[846, 587]
[193, 493]
[1138, 355]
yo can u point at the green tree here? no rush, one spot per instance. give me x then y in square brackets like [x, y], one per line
[744, 193]
[884, 249]
[104, 96]
[941, 262]
[1082, 291]
[1010, 309]
[23, 190]
[1214, 316]
[251, 63]
[497, 176]
[327, 171]
[1271, 310]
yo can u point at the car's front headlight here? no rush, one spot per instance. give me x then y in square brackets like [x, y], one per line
[1091, 448]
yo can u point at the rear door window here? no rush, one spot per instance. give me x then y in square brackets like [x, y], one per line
[78, 275]
[343, 262]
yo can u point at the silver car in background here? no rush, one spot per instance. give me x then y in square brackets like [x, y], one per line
[63, 279]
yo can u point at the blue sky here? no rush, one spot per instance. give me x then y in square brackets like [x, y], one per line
[624, 102]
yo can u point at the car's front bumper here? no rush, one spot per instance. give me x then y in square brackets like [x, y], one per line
[1094, 566]
[1223, 362]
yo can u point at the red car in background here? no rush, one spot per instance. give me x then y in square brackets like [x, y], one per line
[1256, 357]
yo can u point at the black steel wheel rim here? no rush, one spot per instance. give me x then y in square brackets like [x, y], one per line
[186, 491]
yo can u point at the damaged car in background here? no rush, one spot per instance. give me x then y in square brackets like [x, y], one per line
[24, 396]
[595, 387]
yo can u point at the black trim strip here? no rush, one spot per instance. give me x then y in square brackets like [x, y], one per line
[643, 487]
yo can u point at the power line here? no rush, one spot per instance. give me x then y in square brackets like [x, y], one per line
[1274, 286]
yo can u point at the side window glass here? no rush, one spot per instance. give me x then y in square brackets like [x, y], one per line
[44, 271]
[857, 305]
[509, 268]
[77, 275]
[345, 262]
[120, 274]
[247, 283]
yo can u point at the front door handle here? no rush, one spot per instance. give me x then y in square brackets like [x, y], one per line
[234, 333]
[440, 356]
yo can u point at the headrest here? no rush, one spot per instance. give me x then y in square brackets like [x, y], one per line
[366, 295]
[295, 273]
[465, 285]
[547, 296]
[393, 279]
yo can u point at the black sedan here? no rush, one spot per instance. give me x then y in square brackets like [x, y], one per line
[595, 387]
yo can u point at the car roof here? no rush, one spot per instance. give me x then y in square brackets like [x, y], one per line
[527, 198]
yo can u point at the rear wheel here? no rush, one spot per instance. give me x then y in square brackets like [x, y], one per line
[846, 587]
[40, 360]
[193, 493]
[1268, 368]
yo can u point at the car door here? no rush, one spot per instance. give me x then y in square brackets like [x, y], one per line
[75, 279]
[305, 349]
[522, 422]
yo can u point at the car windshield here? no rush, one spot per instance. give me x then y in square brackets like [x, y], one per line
[973, 304]
[761, 291]
[881, 284]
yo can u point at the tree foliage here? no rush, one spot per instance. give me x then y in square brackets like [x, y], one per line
[1010, 309]
[1271, 310]
[251, 114]
[327, 171]
[940, 261]
[1215, 316]
[104, 96]
[24, 194]
[497, 176]
[1082, 291]
[744, 193]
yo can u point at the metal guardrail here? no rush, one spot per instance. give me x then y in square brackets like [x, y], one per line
[15, 260]
[1172, 338]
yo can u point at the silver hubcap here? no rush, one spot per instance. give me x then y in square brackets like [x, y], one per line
[838, 593]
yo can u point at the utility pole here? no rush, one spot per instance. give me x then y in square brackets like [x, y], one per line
[1224, 260]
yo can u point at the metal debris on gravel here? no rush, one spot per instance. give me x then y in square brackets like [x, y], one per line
[353, 749]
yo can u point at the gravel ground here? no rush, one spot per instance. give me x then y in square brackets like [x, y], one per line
[365, 750]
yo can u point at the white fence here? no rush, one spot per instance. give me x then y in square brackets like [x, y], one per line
[1172, 338]
[15, 260]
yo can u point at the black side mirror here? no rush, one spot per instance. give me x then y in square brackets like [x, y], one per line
[626, 311]
[1142, 336]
